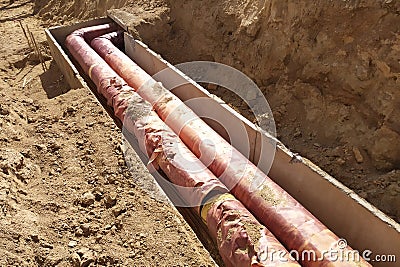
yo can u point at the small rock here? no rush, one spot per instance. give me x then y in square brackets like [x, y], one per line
[40, 147]
[118, 210]
[28, 101]
[340, 161]
[52, 146]
[384, 68]
[72, 244]
[79, 232]
[75, 260]
[98, 238]
[87, 199]
[110, 200]
[35, 238]
[86, 229]
[119, 224]
[87, 257]
[46, 245]
[71, 109]
[141, 235]
[23, 192]
[98, 193]
[31, 120]
[80, 143]
[4, 111]
[132, 254]
[137, 244]
[27, 153]
[357, 155]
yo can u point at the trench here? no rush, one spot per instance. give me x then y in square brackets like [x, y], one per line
[329, 70]
[170, 33]
[332, 89]
[79, 58]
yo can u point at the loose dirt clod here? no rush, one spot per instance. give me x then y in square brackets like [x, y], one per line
[87, 199]
[110, 200]
[72, 244]
[357, 154]
[75, 260]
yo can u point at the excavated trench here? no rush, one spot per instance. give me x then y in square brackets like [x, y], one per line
[329, 69]
[90, 63]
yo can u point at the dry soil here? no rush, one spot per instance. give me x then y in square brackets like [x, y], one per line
[329, 69]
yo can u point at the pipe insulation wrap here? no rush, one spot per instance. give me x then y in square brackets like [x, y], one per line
[156, 140]
[288, 220]
[241, 242]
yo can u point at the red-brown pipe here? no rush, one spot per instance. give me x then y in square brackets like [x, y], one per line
[162, 146]
[239, 236]
[107, 81]
[293, 225]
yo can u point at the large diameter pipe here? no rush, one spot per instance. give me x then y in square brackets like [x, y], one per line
[118, 93]
[161, 145]
[108, 82]
[239, 236]
[288, 220]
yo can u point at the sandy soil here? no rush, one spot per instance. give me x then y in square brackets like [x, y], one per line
[329, 70]
[66, 197]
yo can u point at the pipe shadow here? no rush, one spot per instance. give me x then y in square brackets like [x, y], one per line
[54, 82]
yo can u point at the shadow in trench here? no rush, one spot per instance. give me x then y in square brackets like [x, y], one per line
[53, 81]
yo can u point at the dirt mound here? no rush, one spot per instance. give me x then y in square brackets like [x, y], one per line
[54, 11]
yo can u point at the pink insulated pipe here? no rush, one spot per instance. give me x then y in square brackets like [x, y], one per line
[287, 219]
[241, 239]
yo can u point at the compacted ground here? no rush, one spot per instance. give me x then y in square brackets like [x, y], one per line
[329, 69]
